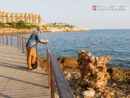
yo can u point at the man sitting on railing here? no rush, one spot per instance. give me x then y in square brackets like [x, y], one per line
[31, 46]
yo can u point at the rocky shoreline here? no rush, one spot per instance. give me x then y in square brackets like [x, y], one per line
[28, 31]
[117, 85]
[15, 31]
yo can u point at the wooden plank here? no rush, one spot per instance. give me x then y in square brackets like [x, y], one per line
[18, 82]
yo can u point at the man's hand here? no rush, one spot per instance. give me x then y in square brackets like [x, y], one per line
[45, 41]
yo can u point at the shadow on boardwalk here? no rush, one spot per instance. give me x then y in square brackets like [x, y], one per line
[18, 82]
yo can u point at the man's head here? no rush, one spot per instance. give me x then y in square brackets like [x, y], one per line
[40, 28]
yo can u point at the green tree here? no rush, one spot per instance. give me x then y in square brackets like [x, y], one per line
[2, 25]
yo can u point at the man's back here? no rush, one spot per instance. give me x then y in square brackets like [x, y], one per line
[33, 39]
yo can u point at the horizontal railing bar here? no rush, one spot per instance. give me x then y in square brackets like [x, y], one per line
[62, 84]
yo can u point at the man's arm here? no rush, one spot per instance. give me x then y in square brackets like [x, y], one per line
[40, 40]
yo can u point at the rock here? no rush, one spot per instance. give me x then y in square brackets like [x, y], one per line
[108, 96]
[93, 69]
[114, 84]
[43, 64]
[68, 62]
[89, 93]
[69, 76]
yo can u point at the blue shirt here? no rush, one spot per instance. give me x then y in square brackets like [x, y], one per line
[33, 39]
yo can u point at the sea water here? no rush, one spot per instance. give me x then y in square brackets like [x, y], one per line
[115, 43]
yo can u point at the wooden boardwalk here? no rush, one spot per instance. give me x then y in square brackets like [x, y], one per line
[18, 82]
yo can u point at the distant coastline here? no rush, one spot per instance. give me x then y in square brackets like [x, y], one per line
[24, 28]
[63, 27]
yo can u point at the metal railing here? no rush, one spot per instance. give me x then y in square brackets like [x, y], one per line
[56, 78]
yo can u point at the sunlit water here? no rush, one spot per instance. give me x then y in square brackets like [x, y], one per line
[115, 43]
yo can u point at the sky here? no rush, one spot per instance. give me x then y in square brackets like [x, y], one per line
[106, 14]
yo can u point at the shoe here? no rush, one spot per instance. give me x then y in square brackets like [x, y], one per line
[30, 68]
[34, 66]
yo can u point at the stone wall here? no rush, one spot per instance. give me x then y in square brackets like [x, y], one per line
[9, 17]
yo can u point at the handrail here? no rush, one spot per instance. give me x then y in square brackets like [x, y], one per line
[55, 71]
[55, 75]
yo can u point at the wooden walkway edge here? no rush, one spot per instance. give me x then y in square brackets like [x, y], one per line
[18, 82]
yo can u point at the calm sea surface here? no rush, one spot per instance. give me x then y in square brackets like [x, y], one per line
[115, 43]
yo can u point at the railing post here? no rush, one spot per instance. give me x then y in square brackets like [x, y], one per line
[25, 43]
[6, 39]
[11, 40]
[18, 42]
[51, 82]
[21, 42]
[0, 40]
[22, 45]
[49, 66]
[37, 53]
[3, 39]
